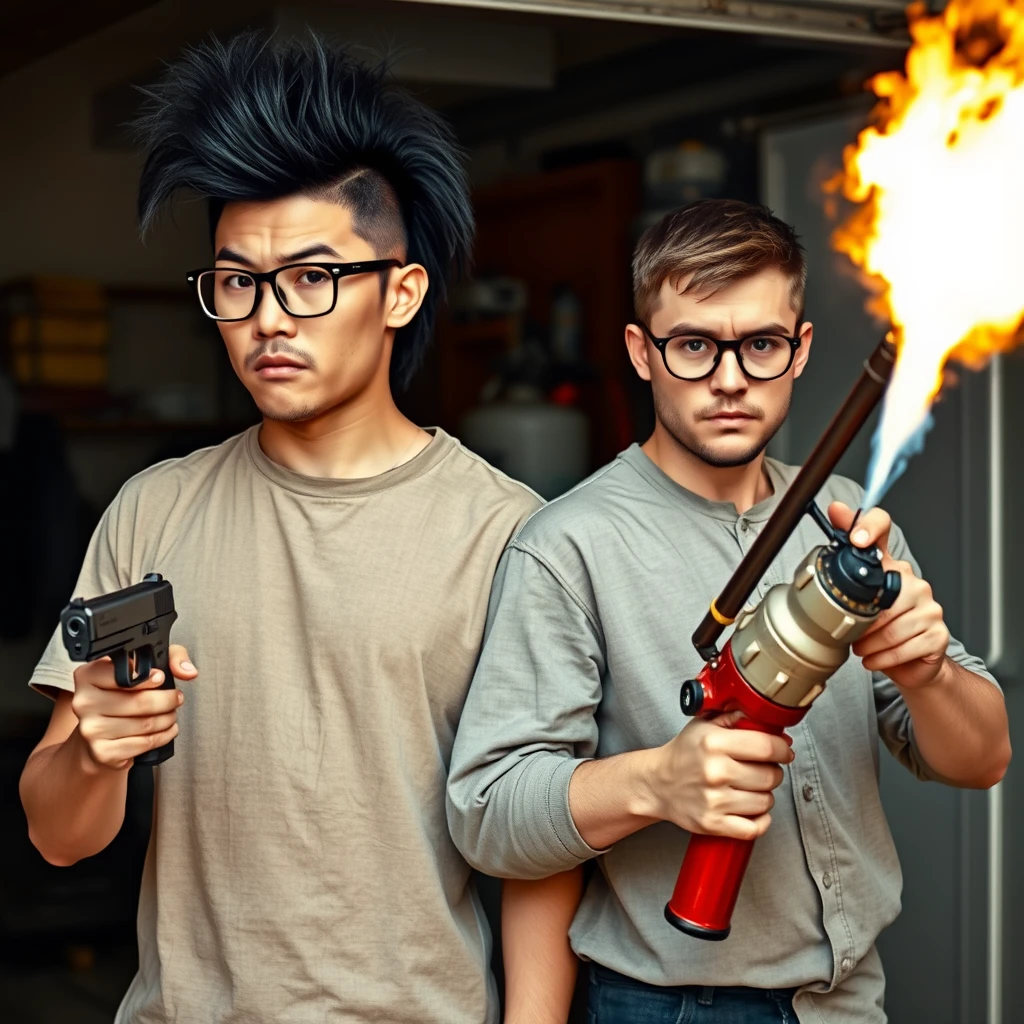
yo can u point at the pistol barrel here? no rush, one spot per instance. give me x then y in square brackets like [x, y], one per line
[123, 620]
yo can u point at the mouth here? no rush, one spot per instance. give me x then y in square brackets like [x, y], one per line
[732, 419]
[278, 367]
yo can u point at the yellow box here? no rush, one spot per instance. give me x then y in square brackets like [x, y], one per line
[58, 331]
[60, 368]
[63, 332]
[68, 295]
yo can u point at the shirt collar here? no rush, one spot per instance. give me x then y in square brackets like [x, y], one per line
[724, 511]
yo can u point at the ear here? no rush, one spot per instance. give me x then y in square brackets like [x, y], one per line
[804, 351]
[639, 351]
[407, 288]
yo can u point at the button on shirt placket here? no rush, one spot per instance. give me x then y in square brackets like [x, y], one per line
[746, 532]
[820, 852]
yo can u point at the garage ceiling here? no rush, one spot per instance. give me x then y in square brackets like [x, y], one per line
[860, 22]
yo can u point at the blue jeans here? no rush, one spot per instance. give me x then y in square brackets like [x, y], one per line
[616, 999]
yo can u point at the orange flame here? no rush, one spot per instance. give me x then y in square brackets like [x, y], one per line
[940, 225]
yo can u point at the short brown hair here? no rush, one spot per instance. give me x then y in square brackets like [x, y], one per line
[718, 242]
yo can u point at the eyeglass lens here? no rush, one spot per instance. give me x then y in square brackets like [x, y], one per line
[232, 294]
[761, 357]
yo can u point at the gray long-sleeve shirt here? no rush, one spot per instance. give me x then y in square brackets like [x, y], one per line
[586, 644]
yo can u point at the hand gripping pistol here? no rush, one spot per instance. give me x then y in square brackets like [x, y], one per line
[783, 650]
[133, 628]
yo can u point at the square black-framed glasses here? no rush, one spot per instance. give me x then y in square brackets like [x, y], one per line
[733, 345]
[199, 279]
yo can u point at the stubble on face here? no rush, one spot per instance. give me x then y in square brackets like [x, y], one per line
[296, 413]
[686, 435]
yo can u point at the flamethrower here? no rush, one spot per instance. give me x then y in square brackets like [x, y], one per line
[784, 650]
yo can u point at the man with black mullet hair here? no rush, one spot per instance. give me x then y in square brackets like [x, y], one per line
[331, 571]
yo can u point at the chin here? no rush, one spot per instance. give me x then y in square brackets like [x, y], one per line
[728, 453]
[283, 401]
[284, 408]
[288, 413]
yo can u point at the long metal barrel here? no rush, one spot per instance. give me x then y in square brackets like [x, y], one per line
[816, 470]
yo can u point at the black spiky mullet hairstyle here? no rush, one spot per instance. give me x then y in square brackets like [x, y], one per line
[260, 118]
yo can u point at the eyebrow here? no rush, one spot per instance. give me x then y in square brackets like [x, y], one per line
[316, 249]
[695, 331]
[235, 257]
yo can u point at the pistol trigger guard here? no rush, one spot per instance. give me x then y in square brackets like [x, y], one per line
[122, 670]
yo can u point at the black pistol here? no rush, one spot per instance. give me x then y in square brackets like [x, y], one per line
[129, 625]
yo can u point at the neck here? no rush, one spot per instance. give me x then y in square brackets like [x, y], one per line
[743, 486]
[360, 438]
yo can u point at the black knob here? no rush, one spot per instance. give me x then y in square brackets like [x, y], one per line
[856, 572]
[691, 697]
[893, 582]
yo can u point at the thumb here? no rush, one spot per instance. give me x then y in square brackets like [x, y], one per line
[841, 515]
[181, 667]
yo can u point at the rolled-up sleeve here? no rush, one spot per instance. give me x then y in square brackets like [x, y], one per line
[894, 723]
[528, 722]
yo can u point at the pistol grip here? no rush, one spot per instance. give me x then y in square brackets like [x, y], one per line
[147, 658]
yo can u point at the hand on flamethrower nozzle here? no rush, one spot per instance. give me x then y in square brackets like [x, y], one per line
[785, 649]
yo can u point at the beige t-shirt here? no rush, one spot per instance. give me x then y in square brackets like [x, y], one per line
[300, 868]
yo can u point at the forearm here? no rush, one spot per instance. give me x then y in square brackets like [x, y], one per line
[960, 727]
[540, 966]
[74, 806]
[610, 798]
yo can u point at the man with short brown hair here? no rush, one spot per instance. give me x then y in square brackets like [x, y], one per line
[571, 745]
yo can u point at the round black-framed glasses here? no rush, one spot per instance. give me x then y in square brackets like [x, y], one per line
[304, 290]
[691, 357]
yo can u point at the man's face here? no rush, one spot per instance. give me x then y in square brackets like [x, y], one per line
[727, 418]
[297, 368]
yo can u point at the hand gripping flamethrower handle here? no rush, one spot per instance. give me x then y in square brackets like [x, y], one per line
[713, 867]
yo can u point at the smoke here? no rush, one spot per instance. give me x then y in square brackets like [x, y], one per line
[888, 462]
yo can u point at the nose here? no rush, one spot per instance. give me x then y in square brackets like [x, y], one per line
[270, 319]
[728, 378]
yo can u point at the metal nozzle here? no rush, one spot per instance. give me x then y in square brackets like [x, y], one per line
[801, 633]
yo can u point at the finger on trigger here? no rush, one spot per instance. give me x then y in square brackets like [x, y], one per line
[141, 704]
[155, 680]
